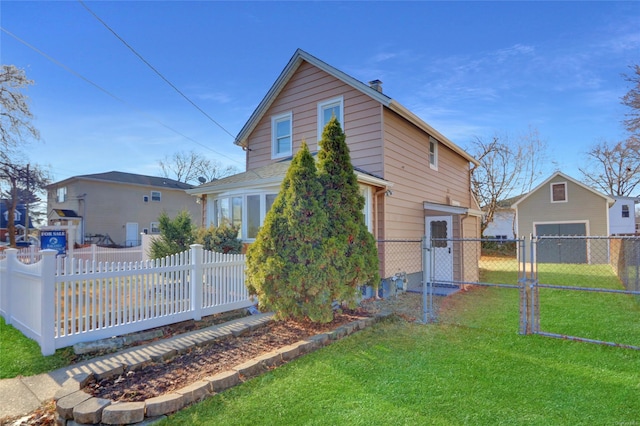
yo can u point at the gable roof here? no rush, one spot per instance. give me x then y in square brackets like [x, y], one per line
[20, 215]
[293, 65]
[271, 175]
[129, 178]
[609, 200]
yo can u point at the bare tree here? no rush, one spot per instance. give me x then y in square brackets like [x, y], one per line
[190, 166]
[632, 100]
[614, 169]
[15, 115]
[508, 167]
[19, 180]
[24, 182]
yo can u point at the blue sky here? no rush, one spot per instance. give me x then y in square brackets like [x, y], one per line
[469, 69]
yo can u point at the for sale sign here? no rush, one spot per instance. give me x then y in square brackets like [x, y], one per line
[54, 240]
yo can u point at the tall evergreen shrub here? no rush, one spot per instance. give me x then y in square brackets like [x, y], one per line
[287, 266]
[176, 235]
[354, 253]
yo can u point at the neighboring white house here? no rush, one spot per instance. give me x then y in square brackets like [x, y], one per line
[503, 225]
[622, 216]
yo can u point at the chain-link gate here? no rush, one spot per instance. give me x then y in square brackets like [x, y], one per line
[464, 263]
[587, 289]
[577, 288]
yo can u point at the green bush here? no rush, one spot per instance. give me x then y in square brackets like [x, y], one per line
[221, 239]
[355, 255]
[287, 266]
[314, 247]
[176, 235]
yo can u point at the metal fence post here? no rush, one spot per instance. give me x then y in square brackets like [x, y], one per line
[533, 289]
[427, 285]
[522, 282]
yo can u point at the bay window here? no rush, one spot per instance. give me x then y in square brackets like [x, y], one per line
[247, 212]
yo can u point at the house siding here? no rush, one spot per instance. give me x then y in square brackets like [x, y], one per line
[582, 205]
[619, 224]
[406, 152]
[110, 206]
[301, 95]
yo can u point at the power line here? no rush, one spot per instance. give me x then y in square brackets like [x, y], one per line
[105, 91]
[154, 69]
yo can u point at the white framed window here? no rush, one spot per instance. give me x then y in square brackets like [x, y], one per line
[625, 210]
[281, 135]
[155, 227]
[559, 192]
[61, 194]
[156, 196]
[328, 109]
[433, 153]
[365, 191]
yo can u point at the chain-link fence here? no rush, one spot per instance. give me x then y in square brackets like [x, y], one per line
[586, 288]
[578, 288]
[418, 275]
[400, 266]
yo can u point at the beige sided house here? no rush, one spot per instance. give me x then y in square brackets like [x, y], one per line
[563, 206]
[413, 178]
[118, 205]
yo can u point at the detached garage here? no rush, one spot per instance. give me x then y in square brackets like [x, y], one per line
[562, 206]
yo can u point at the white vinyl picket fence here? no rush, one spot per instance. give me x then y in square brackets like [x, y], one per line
[62, 301]
[91, 253]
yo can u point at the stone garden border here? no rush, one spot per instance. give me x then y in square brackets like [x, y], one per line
[75, 407]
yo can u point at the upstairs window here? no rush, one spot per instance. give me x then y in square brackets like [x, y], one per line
[625, 210]
[328, 109]
[433, 153]
[155, 227]
[281, 135]
[61, 194]
[559, 192]
[156, 196]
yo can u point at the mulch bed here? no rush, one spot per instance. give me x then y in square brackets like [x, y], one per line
[163, 377]
[206, 361]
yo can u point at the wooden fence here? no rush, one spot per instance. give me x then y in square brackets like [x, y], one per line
[62, 301]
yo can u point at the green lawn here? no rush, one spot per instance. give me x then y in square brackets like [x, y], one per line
[608, 317]
[471, 367]
[476, 370]
[20, 356]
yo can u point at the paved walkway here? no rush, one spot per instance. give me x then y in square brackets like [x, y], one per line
[23, 395]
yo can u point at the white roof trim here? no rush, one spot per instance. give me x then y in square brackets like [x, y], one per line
[299, 56]
[445, 208]
[276, 181]
[609, 200]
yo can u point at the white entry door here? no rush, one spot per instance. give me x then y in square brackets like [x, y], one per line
[132, 234]
[439, 234]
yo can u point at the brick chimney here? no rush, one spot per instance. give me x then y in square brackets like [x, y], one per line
[376, 85]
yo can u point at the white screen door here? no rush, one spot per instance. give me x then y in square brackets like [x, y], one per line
[439, 234]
